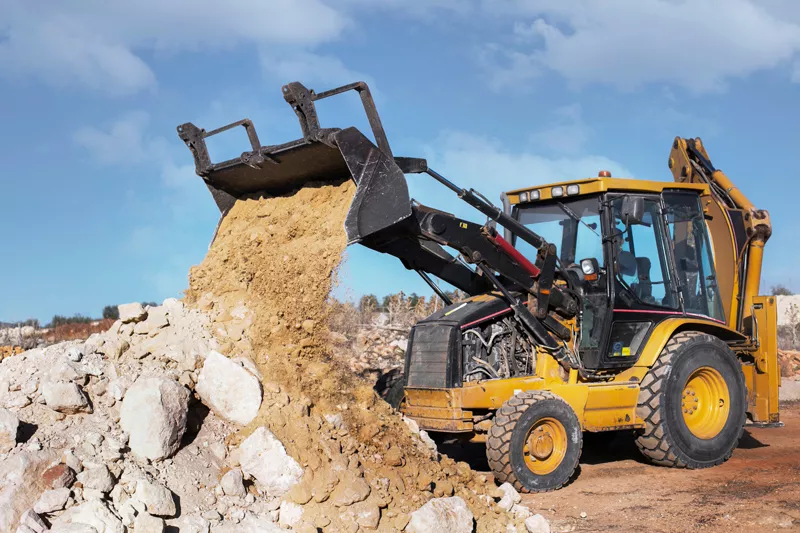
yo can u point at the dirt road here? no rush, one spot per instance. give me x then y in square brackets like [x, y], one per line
[758, 489]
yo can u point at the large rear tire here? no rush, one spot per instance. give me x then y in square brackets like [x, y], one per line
[693, 402]
[535, 442]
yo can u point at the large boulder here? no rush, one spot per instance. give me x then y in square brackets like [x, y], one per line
[154, 414]
[228, 389]
[92, 513]
[263, 458]
[442, 515]
[9, 424]
[133, 312]
[21, 484]
[52, 500]
[65, 398]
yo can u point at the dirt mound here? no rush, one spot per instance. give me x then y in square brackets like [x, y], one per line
[269, 272]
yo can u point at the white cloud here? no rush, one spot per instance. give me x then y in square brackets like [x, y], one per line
[99, 44]
[124, 142]
[308, 66]
[566, 134]
[631, 43]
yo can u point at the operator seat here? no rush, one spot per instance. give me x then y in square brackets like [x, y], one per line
[644, 288]
[626, 263]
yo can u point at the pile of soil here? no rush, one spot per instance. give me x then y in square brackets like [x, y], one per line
[272, 266]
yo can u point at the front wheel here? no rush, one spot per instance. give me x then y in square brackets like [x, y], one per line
[693, 402]
[535, 442]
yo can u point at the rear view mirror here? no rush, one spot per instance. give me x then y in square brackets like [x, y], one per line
[632, 211]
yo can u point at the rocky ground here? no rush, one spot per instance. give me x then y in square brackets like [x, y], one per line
[140, 429]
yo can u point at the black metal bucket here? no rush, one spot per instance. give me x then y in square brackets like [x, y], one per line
[381, 199]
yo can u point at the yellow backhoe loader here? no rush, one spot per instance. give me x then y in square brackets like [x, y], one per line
[602, 304]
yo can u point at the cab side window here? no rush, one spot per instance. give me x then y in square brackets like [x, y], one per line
[640, 260]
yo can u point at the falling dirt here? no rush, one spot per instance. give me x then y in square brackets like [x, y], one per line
[274, 261]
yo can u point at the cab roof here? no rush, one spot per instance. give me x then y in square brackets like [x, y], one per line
[602, 184]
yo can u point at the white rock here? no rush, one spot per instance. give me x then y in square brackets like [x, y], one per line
[290, 514]
[232, 483]
[22, 528]
[114, 348]
[249, 365]
[127, 513]
[510, 497]
[263, 457]
[92, 513]
[93, 437]
[133, 312]
[9, 425]
[147, 523]
[228, 389]
[118, 387]
[521, 512]
[65, 398]
[74, 354]
[52, 500]
[97, 478]
[157, 498]
[65, 371]
[537, 524]
[218, 450]
[789, 390]
[193, 524]
[33, 521]
[335, 420]
[441, 515]
[73, 528]
[250, 524]
[402, 344]
[173, 306]
[156, 319]
[154, 414]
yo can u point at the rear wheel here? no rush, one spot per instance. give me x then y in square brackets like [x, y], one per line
[693, 402]
[535, 442]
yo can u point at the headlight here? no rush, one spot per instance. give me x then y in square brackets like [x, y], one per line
[587, 265]
[557, 192]
[535, 195]
[573, 190]
[523, 197]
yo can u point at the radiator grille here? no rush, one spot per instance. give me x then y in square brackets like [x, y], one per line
[429, 364]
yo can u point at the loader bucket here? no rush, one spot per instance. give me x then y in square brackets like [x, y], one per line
[322, 155]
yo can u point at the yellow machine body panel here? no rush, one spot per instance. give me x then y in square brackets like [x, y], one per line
[603, 406]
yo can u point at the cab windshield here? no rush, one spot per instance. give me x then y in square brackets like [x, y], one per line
[572, 225]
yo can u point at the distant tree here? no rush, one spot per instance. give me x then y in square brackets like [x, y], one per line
[781, 290]
[413, 299]
[59, 320]
[151, 304]
[368, 303]
[111, 311]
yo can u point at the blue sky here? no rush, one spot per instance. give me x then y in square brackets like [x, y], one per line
[101, 203]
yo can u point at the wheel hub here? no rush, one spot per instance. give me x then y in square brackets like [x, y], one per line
[541, 444]
[545, 446]
[705, 403]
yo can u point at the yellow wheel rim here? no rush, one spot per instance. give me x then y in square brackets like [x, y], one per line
[545, 446]
[706, 403]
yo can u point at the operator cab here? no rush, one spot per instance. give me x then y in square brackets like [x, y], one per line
[639, 253]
